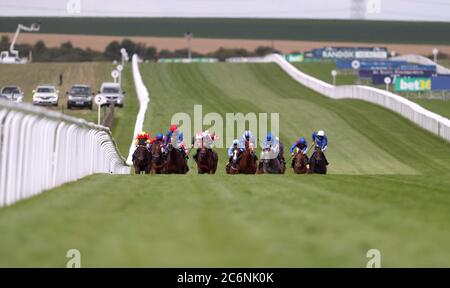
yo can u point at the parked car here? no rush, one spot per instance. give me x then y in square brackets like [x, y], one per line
[11, 93]
[113, 93]
[45, 95]
[79, 96]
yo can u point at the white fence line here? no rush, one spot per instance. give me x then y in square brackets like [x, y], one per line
[144, 99]
[42, 149]
[422, 60]
[424, 118]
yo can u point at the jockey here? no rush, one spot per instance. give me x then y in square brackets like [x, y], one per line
[172, 129]
[302, 146]
[142, 138]
[159, 137]
[234, 145]
[320, 140]
[271, 143]
[246, 136]
[207, 140]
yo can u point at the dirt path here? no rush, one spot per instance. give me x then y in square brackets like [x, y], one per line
[204, 45]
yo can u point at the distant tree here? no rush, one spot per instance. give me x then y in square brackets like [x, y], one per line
[112, 51]
[264, 50]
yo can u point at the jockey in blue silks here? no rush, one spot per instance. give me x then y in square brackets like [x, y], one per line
[320, 141]
[302, 145]
[248, 136]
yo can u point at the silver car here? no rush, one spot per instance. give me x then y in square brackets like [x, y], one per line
[113, 93]
[11, 93]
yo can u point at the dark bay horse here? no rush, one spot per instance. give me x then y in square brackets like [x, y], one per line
[247, 161]
[301, 165]
[141, 160]
[206, 161]
[269, 164]
[317, 163]
[175, 162]
[157, 158]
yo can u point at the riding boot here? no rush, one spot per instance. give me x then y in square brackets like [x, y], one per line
[292, 163]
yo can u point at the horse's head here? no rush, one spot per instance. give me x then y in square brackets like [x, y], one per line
[156, 151]
[202, 153]
[249, 146]
[318, 155]
[141, 153]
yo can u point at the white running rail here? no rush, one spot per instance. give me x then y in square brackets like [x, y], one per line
[422, 117]
[42, 149]
[144, 99]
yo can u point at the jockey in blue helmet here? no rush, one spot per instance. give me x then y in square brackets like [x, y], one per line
[302, 146]
[271, 143]
[247, 136]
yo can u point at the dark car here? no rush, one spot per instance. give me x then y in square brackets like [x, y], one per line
[79, 96]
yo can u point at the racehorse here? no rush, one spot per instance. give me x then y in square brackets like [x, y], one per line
[300, 163]
[206, 161]
[269, 164]
[317, 162]
[247, 161]
[157, 158]
[233, 166]
[175, 162]
[141, 160]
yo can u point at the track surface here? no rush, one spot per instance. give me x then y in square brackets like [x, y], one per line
[388, 190]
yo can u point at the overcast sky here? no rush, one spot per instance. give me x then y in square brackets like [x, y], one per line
[419, 10]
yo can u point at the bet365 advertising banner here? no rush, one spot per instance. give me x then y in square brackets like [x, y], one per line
[403, 84]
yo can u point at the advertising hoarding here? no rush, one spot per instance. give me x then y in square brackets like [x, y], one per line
[404, 84]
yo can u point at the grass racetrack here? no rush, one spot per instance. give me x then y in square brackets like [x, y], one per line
[388, 189]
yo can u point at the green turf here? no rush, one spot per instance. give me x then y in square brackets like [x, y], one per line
[283, 29]
[322, 71]
[388, 189]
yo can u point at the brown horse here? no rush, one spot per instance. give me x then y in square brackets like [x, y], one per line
[206, 161]
[269, 165]
[175, 162]
[141, 160]
[317, 163]
[301, 165]
[157, 158]
[247, 161]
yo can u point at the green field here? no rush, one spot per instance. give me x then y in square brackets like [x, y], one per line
[388, 189]
[322, 71]
[277, 29]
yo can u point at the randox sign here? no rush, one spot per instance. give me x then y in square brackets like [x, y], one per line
[403, 84]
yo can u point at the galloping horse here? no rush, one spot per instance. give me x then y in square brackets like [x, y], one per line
[141, 160]
[233, 166]
[175, 162]
[317, 162]
[269, 164]
[157, 158]
[247, 161]
[300, 163]
[206, 161]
